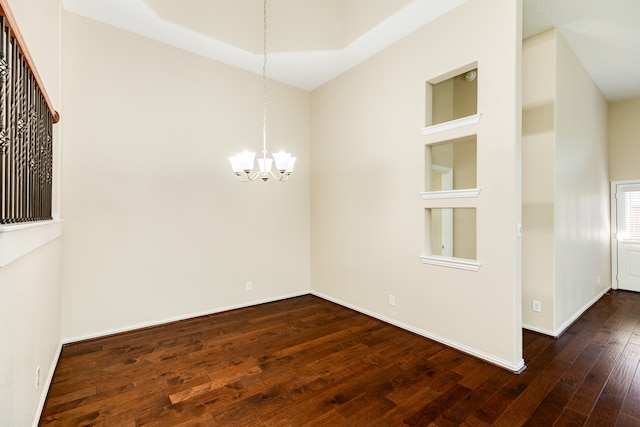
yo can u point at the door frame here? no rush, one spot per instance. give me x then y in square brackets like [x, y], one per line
[614, 228]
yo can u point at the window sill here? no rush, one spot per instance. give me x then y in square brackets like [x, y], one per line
[17, 240]
[461, 263]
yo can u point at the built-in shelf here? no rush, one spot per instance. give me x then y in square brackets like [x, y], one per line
[450, 194]
[453, 129]
[460, 263]
[451, 124]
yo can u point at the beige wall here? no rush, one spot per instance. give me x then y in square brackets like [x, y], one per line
[368, 172]
[624, 137]
[29, 332]
[565, 186]
[30, 285]
[581, 216]
[157, 226]
[538, 177]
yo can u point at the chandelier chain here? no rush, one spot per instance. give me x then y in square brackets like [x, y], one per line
[264, 81]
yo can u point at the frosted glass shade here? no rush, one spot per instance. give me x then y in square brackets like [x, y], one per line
[292, 161]
[236, 164]
[242, 162]
[282, 160]
[265, 165]
[243, 165]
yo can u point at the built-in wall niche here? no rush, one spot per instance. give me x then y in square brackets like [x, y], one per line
[451, 167]
[451, 164]
[453, 98]
[450, 238]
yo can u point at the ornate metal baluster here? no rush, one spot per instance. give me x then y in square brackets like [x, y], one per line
[4, 135]
[13, 134]
[26, 128]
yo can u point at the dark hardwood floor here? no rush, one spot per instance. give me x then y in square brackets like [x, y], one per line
[306, 361]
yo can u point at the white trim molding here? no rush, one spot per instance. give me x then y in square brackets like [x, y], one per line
[450, 194]
[160, 322]
[461, 263]
[515, 368]
[559, 331]
[17, 240]
[452, 125]
[46, 386]
[614, 228]
[539, 330]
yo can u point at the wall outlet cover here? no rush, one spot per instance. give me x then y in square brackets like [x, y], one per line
[536, 306]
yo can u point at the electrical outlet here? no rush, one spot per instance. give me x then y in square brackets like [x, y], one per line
[392, 300]
[37, 377]
[536, 306]
[249, 286]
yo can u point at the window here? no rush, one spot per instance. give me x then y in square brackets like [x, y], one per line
[631, 224]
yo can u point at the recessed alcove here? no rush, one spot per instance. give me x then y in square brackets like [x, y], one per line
[453, 98]
[452, 165]
[452, 232]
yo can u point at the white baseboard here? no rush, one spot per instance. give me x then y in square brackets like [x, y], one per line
[539, 330]
[559, 331]
[44, 391]
[129, 328]
[579, 313]
[516, 368]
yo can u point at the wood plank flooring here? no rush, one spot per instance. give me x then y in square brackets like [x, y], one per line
[308, 362]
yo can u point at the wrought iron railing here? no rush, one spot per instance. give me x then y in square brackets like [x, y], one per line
[26, 131]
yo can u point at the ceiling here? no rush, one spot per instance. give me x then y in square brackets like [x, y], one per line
[312, 41]
[604, 34]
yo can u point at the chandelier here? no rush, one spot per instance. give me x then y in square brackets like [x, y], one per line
[243, 163]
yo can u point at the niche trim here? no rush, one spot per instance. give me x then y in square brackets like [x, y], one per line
[451, 124]
[460, 263]
[450, 194]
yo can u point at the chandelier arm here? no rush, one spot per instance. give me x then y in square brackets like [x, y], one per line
[248, 176]
[280, 176]
[243, 177]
